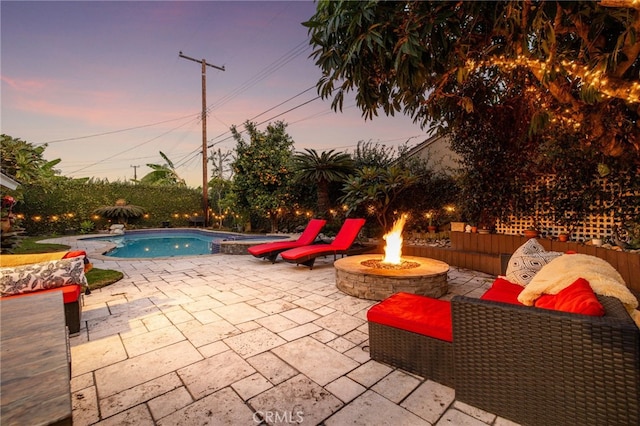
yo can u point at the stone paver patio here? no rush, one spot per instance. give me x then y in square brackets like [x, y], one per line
[230, 339]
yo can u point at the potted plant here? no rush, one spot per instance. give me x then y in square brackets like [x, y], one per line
[7, 216]
[431, 227]
[533, 230]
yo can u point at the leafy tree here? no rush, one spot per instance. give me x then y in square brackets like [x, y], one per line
[580, 59]
[25, 162]
[220, 184]
[163, 174]
[218, 189]
[321, 170]
[427, 201]
[497, 158]
[262, 171]
[375, 190]
[373, 155]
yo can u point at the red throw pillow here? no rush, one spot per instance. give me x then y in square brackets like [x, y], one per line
[578, 298]
[504, 291]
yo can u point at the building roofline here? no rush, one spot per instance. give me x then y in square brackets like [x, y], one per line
[8, 182]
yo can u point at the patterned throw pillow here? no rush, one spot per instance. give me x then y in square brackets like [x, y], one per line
[527, 260]
[42, 276]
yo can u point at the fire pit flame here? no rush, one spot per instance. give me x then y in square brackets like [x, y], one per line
[393, 247]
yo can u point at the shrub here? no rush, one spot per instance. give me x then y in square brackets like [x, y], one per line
[70, 205]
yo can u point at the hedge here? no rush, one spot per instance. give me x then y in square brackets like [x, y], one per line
[69, 207]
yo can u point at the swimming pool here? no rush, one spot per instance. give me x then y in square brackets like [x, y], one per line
[169, 243]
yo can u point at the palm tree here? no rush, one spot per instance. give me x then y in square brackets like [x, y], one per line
[322, 170]
[163, 174]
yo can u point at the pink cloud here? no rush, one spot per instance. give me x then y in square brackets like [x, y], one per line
[106, 108]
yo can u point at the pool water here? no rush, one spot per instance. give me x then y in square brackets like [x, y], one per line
[167, 243]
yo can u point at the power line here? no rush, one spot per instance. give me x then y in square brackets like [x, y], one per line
[129, 149]
[114, 131]
[266, 111]
[264, 73]
[282, 103]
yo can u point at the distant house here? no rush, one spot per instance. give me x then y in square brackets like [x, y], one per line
[436, 151]
[8, 182]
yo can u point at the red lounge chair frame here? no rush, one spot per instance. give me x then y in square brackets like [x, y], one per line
[271, 251]
[340, 245]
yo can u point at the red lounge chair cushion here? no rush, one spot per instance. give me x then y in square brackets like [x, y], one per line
[418, 314]
[308, 251]
[70, 293]
[266, 248]
[343, 240]
[504, 291]
[307, 237]
[578, 298]
[347, 234]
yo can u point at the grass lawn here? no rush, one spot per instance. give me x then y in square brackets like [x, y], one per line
[97, 278]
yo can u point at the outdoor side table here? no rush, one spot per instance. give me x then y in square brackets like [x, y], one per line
[34, 361]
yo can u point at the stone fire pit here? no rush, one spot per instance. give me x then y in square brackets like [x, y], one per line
[429, 278]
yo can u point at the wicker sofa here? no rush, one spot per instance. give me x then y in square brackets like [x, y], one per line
[530, 365]
[543, 367]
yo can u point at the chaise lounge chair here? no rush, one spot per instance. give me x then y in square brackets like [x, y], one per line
[271, 251]
[340, 245]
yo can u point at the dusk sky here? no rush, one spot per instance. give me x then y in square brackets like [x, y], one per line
[103, 85]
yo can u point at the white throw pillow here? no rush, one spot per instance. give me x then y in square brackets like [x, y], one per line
[527, 260]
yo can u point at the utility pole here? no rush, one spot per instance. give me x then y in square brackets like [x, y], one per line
[135, 173]
[205, 195]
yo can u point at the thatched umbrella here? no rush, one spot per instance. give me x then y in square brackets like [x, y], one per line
[122, 211]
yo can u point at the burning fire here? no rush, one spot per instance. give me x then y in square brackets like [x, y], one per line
[393, 248]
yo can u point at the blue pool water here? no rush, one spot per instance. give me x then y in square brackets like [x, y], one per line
[168, 243]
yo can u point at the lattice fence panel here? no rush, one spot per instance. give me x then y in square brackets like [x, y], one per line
[594, 226]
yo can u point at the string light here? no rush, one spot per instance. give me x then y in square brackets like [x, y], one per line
[594, 79]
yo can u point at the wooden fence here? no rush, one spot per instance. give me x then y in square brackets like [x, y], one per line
[482, 252]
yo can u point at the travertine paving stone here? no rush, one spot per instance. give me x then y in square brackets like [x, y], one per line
[429, 401]
[296, 399]
[229, 339]
[345, 388]
[90, 356]
[272, 367]
[138, 394]
[137, 345]
[140, 369]
[315, 360]
[254, 342]
[215, 373]
[373, 409]
[396, 386]
[221, 408]
[169, 402]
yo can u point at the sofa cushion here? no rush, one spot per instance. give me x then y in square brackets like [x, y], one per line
[578, 298]
[418, 314]
[504, 291]
[527, 260]
[42, 276]
[70, 293]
